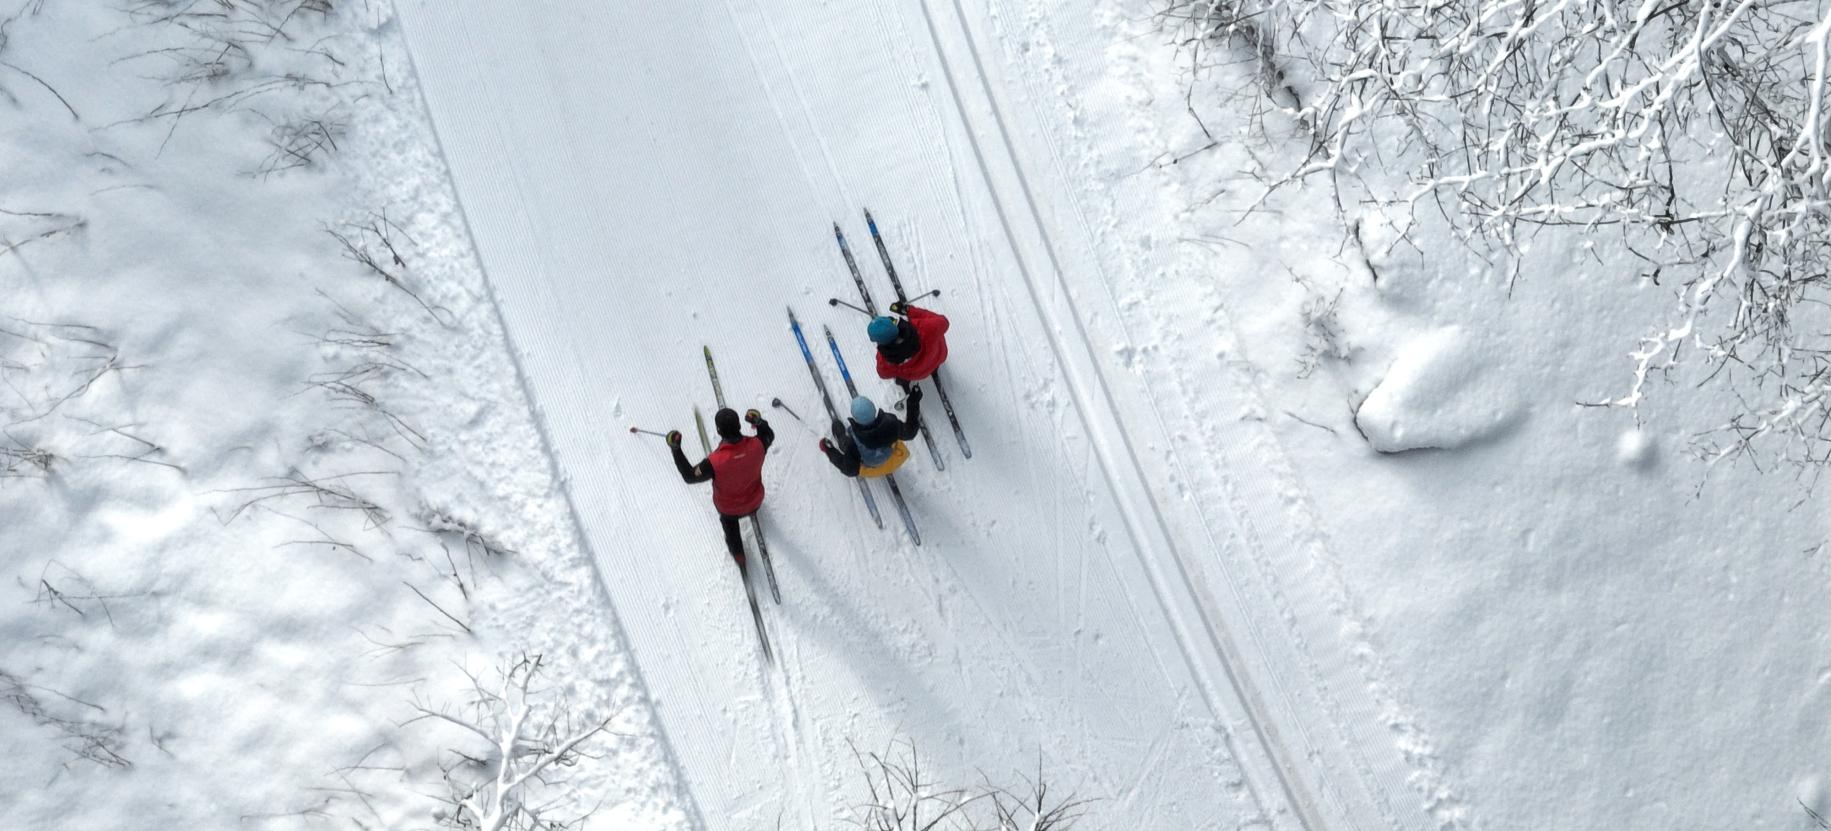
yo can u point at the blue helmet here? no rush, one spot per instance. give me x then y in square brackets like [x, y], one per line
[863, 411]
[881, 330]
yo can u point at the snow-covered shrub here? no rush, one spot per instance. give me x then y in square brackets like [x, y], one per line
[900, 795]
[1693, 132]
[513, 739]
[1323, 338]
[219, 435]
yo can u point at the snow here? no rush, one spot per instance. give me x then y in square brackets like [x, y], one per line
[1553, 638]
[1281, 514]
[1022, 162]
[192, 640]
[1438, 394]
[1636, 449]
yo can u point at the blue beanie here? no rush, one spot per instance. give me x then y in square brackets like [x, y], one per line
[881, 330]
[863, 411]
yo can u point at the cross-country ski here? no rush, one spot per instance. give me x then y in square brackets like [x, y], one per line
[877, 328]
[826, 401]
[902, 353]
[756, 523]
[735, 469]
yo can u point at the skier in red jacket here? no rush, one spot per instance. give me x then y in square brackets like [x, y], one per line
[911, 348]
[735, 469]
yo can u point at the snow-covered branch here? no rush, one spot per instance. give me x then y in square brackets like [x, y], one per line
[903, 795]
[518, 739]
[1694, 130]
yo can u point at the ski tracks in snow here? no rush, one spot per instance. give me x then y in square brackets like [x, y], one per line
[1374, 750]
[1326, 778]
[931, 139]
[645, 126]
[1101, 415]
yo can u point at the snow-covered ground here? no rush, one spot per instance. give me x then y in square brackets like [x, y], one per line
[1562, 620]
[235, 458]
[267, 505]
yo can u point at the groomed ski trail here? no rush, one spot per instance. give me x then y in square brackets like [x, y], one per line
[631, 199]
[1120, 465]
[1371, 758]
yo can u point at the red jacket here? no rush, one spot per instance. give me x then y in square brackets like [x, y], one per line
[737, 476]
[931, 328]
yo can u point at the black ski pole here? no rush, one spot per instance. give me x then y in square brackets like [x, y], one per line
[834, 301]
[777, 402]
[648, 432]
[807, 428]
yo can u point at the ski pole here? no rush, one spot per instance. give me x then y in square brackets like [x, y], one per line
[805, 428]
[925, 296]
[777, 402]
[648, 432]
[834, 301]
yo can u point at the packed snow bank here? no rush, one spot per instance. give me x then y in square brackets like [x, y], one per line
[1439, 394]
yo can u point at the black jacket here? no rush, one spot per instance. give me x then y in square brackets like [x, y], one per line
[694, 474]
[887, 429]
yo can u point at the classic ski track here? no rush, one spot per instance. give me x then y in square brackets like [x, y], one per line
[1423, 770]
[1248, 533]
[1264, 728]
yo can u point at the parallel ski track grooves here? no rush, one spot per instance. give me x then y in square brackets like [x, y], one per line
[1296, 797]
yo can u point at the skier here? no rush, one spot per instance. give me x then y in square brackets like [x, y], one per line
[911, 348]
[872, 445]
[735, 469]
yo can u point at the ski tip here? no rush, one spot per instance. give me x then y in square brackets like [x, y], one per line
[869, 220]
[838, 233]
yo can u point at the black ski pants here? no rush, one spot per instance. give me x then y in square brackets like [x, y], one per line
[847, 460]
[734, 536]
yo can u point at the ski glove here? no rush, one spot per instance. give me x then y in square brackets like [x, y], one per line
[673, 438]
[752, 417]
[896, 307]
